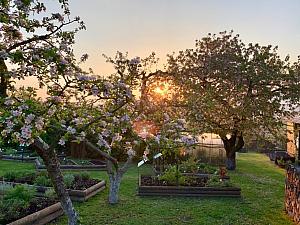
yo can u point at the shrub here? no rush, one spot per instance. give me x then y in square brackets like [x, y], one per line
[43, 181]
[68, 180]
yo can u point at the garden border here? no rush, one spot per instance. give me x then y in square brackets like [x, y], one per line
[41, 217]
[188, 191]
[39, 166]
[75, 195]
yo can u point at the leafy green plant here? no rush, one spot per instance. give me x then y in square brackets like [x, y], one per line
[171, 176]
[14, 201]
[20, 192]
[50, 193]
[189, 166]
[206, 168]
[68, 180]
[42, 181]
[84, 175]
[12, 175]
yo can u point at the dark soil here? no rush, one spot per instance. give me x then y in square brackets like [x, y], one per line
[82, 184]
[36, 204]
[190, 181]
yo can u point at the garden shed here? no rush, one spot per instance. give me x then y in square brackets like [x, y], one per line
[293, 133]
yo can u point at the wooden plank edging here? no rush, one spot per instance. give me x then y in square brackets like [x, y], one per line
[40, 217]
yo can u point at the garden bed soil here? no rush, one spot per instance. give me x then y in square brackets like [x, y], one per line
[40, 211]
[151, 186]
[73, 166]
[80, 191]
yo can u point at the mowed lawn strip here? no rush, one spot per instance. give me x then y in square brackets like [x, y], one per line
[262, 203]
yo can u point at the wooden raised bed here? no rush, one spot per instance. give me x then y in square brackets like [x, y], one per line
[188, 191]
[40, 166]
[18, 158]
[75, 195]
[41, 217]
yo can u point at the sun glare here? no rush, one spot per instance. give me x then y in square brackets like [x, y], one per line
[162, 89]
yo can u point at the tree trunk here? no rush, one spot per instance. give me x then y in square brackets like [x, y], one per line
[232, 145]
[4, 79]
[115, 177]
[53, 167]
[114, 182]
[230, 161]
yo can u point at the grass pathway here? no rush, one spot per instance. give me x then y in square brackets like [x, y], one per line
[262, 203]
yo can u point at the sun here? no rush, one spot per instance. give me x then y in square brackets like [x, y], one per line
[161, 89]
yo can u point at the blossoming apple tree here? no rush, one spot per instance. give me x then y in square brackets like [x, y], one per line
[78, 106]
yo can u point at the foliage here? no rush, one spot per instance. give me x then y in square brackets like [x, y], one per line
[215, 181]
[68, 180]
[84, 175]
[50, 193]
[189, 166]
[14, 201]
[43, 180]
[232, 88]
[258, 178]
[12, 175]
[173, 177]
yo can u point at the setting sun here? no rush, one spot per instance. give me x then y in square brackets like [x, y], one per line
[161, 89]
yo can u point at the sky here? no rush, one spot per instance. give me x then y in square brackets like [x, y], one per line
[140, 27]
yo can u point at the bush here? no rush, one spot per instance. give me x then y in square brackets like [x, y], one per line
[43, 181]
[68, 180]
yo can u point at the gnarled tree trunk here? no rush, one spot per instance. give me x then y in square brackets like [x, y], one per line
[115, 177]
[232, 145]
[53, 167]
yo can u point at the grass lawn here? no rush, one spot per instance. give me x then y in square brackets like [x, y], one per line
[262, 203]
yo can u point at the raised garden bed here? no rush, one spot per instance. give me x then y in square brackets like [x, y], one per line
[18, 158]
[42, 216]
[152, 186]
[70, 164]
[80, 189]
[75, 195]
[19, 206]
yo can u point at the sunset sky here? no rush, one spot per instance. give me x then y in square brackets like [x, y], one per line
[164, 26]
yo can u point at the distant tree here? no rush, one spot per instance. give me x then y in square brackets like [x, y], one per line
[232, 89]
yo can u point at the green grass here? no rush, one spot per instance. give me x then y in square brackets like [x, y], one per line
[262, 203]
